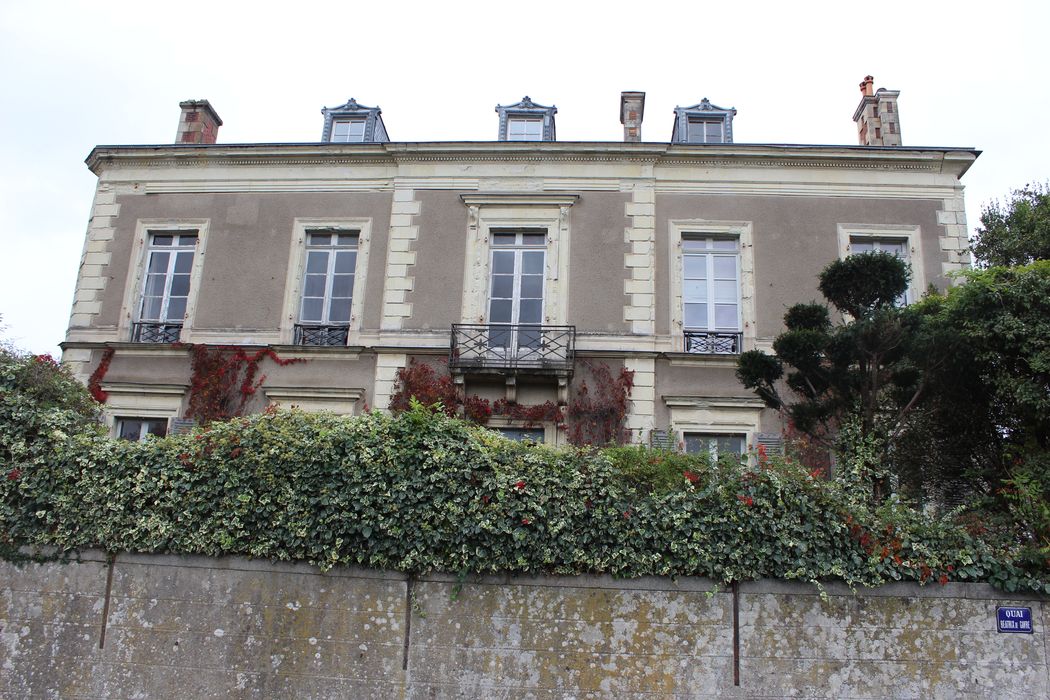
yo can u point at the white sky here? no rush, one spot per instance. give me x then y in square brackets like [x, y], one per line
[78, 74]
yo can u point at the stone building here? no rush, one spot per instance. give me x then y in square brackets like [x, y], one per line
[521, 261]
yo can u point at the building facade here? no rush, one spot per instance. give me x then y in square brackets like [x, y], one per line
[519, 262]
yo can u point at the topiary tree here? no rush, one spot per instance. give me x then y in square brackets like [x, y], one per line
[859, 367]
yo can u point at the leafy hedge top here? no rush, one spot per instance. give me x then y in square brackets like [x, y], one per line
[423, 492]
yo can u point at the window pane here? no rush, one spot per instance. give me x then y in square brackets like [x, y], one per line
[346, 261]
[713, 132]
[347, 239]
[339, 312]
[696, 315]
[499, 311]
[342, 285]
[531, 311]
[130, 429]
[695, 290]
[724, 244]
[183, 262]
[532, 262]
[158, 262]
[729, 444]
[314, 286]
[161, 239]
[502, 286]
[695, 266]
[317, 261]
[155, 285]
[151, 308]
[319, 239]
[689, 244]
[725, 317]
[539, 239]
[725, 290]
[176, 308]
[312, 310]
[521, 434]
[725, 267]
[187, 239]
[696, 444]
[503, 238]
[861, 246]
[180, 285]
[503, 261]
[532, 286]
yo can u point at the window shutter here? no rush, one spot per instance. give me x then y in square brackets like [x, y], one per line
[773, 443]
[662, 439]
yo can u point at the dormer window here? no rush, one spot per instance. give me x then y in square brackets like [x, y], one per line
[703, 123]
[353, 123]
[348, 130]
[706, 131]
[524, 129]
[526, 121]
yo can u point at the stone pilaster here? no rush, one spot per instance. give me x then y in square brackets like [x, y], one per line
[387, 366]
[91, 279]
[640, 260]
[954, 243]
[641, 417]
[399, 260]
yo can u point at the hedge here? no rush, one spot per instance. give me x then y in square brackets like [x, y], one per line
[422, 492]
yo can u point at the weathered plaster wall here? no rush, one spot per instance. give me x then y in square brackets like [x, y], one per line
[198, 627]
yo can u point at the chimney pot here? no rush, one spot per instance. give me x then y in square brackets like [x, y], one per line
[866, 85]
[199, 123]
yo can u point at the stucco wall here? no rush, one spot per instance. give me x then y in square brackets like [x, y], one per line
[199, 627]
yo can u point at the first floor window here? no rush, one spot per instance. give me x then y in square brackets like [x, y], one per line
[139, 429]
[711, 302]
[328, 282]
[714, 445]
[166, 288]
[895, 246]
[518, 271]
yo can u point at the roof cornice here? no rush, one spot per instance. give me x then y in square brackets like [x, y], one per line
[953, 161]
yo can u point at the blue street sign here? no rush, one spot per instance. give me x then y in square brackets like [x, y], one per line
[1017, 620]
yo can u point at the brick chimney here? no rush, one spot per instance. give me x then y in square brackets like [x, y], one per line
[198, 123]
[877, 118]
[632, 107]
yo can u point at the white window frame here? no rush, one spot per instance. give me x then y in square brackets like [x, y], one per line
[550, 430]
[709, 255]
[169, 274]
[136, 279]
[350, 122]
[525, 134]
[518, 248]
[712, 446]
[137, 400]
[332, 250]
[700, 125]
[680, 229]
[715, 415]
[297, 270]
[912, 235]
[540, 212]
[143, 436]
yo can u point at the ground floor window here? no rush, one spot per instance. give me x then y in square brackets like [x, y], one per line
[714, 445]
[138, 429]
[522, 434]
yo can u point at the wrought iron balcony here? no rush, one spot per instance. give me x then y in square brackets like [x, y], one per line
[147, 332]
[712, 343]
[502, 348]
[320, 335]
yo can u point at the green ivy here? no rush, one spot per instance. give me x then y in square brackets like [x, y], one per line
[422, 492]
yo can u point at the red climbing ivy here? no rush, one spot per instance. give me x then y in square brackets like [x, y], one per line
[224, 378]
[596, 415]
[94, 384]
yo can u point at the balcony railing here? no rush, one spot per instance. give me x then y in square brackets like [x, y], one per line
[320, 335]
[146, 332]
[501, 347]
[712, 343]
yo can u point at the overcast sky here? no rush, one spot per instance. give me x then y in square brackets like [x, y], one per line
[78, 74]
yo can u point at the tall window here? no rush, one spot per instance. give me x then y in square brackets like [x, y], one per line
[711, 301]
[520, 129]
[328, 287]
[516, 285]
[897, 247]
[348, 130]
[714, 445]
[169, 262]
[706, 131]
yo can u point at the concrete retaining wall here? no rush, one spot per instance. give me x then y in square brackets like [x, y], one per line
[193, 627]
